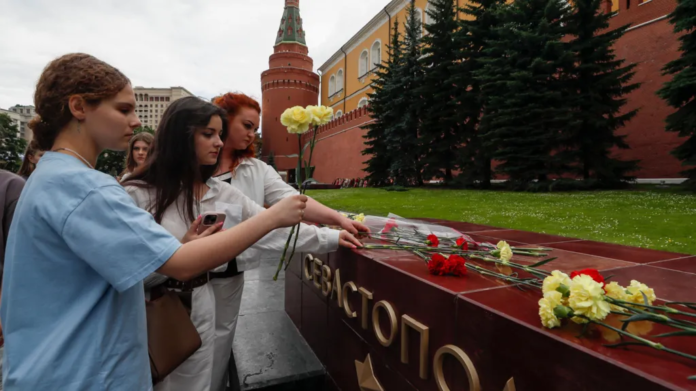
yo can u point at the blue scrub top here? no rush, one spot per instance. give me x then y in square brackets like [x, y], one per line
[73, 305]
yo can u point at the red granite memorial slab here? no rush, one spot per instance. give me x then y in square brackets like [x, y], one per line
[493, 323]
[687, 264]
[293, 298]
[524, 236]
[345, 347]
[617, 251]
[508, 334]
[670, 285]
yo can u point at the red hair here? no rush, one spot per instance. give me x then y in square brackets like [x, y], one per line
[232, 103]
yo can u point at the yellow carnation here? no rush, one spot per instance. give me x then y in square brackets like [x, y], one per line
[546, 307]
[615, 291]
[296, 119]
[360, 218]
[634, 295]
[320, 114]
[587, 298]
[552, 282]
[505, 251]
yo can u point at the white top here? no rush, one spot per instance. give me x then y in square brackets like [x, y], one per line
[258, 181]
[237, 207]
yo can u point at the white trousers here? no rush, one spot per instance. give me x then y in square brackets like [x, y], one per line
[228, 299]
[195, 373]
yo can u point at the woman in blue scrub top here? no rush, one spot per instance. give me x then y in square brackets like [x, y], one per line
[73, 305]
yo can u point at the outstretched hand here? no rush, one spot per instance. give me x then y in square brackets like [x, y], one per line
[353, 226]
[346, 239]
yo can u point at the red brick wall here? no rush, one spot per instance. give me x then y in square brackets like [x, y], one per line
[338, 154]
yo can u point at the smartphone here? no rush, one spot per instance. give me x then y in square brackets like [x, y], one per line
[210, 219]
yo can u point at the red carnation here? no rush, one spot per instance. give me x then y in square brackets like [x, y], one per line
[391, 225]
[437, 265]
[432, 241]
[456, 266]
[588, 272]
[463, 244]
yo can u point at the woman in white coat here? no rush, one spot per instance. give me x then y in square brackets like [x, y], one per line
[260, 182]
[175, 185]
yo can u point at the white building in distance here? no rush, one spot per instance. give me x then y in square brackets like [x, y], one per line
[21, 115]
[151, 103]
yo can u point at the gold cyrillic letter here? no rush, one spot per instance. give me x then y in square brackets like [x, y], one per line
[308, 266]
[325, 280]
[393, 325]
[366, 296]
[316, 272]
[471, 374]
[407, 321]
[346, 303]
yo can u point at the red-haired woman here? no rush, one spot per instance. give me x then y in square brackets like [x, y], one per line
[260, 182]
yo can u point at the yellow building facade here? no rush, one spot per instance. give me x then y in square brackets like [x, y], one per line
[346, 77]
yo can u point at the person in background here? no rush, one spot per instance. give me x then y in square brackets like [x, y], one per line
[73, 302]
[11, 186]
[138, 149]
[32, 155]
[260, 182]
[175, 185]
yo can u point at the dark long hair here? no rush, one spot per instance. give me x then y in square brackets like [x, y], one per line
[172, 166]
[130, 159]
[27, 167]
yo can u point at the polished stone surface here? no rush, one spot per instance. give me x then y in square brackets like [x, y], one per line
[262, 296]
[270, 351]
[616, 251]
[687, 264]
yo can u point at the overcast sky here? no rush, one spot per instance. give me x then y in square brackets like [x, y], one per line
[207, 46]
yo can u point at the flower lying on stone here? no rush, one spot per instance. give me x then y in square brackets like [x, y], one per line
[505, 251]
[455, 265]
[589, 272]
[587, 298]
[432, 241]
[634, 293]
[463, 244]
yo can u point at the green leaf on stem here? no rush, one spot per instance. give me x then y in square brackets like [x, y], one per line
[618, 345]
[688, 333]
[544, 262]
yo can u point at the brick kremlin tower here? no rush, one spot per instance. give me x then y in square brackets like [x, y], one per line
[288, 82]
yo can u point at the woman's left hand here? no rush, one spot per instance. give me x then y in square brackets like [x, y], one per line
[353, 226]
[346, 239]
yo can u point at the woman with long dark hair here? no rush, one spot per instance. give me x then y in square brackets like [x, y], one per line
[138, 149]
[73, 303]
[260, 182]
[176, 185]
[32, 155]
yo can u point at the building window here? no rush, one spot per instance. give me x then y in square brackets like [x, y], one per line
[363, 102]
[167, 99]
[376, 53]
[419, 21]
[339, 80]
[338, 114]
[428, 9]
[332, 85]
[362, 68]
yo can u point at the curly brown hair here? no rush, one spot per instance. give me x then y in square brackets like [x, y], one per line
[70, 75]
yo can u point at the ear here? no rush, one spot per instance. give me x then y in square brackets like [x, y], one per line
[77, 107]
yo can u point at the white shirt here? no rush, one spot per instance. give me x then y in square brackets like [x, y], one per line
[258, 181]
[224, 198]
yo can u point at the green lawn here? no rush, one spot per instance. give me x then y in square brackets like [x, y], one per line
[645, 217]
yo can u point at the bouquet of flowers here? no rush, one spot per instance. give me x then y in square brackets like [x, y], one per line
[298, 121]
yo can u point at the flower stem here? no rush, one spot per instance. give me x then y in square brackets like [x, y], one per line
[282, 258]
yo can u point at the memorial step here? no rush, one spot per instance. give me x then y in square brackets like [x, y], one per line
[269, 352]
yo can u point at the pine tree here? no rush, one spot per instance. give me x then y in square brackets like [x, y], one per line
[476, 29]
[680, 92]
[600, 83]
[11, 146]
[381, 105]
[440, 133]
[403, 137]
[114, 162]
[526, 107]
